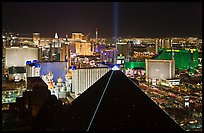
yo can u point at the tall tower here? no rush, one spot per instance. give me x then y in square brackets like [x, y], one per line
[163, 43]
[56, 40]
[36, 38]
[96, 35]
[56, 49]
[171, 41]
[156, 46]
[96, 45]
[66, 41]
[67, 52]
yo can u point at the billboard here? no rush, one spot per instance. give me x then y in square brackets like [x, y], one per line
[160, 69]
[17, 56]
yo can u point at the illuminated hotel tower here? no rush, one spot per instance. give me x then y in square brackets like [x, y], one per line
[36, 38]
[156, 46]
[56, 48]
[66, 53]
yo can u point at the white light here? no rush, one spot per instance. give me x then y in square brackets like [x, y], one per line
[25, 46]
[119, 62]
[115, 68]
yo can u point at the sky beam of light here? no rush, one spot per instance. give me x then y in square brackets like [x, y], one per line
[115, 17]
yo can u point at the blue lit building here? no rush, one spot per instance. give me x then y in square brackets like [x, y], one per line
[57, 68]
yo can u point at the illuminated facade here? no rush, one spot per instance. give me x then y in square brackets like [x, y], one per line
[77, 36]
[83, 48]
[45, 42]
[131, 65]
[17, 56]
[184, 59]
[82, 79]
[36, 39]
[54, 49]
[160, 69]
[65, 54]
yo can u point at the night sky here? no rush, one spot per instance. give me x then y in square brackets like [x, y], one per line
[148, 19]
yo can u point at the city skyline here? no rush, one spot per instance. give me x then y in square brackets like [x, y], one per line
[139, 69]
[126, 19]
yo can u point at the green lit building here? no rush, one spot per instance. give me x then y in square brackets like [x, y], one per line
[131, 65]
[185, 59]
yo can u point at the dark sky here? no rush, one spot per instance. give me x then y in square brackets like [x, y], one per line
[148, 19]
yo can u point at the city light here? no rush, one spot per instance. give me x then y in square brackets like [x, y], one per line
[61, 70]
[115, 68]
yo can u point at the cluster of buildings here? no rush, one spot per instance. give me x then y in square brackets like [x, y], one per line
[69, 66]
[62, 62]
